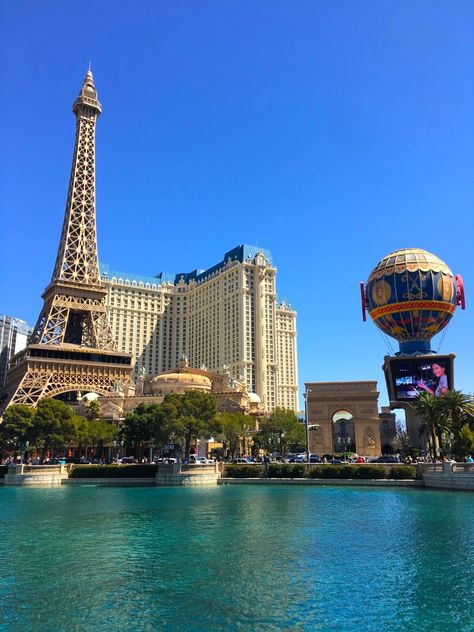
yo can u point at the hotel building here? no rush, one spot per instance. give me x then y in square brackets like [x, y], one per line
[14, 335]
[224, 319]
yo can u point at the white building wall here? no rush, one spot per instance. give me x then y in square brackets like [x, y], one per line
[226, 319]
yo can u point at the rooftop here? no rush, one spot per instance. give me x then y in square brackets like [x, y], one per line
[241, 253]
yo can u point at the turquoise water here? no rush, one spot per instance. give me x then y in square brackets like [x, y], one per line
[242, 558]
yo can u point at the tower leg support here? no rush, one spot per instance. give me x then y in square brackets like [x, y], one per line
[30, 389]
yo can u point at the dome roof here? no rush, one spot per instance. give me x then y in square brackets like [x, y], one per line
[180, 380]
[254, 398]
[409, 259]
[90, 397]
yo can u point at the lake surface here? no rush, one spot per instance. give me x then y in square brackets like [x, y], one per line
[244, 558]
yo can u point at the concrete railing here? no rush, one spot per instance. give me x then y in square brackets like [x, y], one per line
[449, 475]
[36, 475]
[200, 468]
[430, 468]
[32, 470]
[447, 468]
[463, 467]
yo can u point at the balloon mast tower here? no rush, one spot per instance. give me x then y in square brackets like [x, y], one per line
[411, 295]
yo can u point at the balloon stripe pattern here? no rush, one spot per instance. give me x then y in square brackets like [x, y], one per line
[411, 295]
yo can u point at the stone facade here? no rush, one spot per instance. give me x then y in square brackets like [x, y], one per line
[388, 427]
[178, 474]
[231, 395]
[36, 475]
[353, 406]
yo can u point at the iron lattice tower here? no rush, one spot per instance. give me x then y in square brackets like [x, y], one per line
[72, 347]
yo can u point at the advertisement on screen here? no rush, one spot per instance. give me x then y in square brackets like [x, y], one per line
[407, 378]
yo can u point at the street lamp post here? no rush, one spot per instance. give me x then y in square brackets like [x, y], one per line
[344, 441]
[20, 450]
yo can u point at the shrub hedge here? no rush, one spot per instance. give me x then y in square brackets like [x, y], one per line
[344, 471]
[348, 471]
[402, 472]
[139, 470]
[370, 471]
[274, 470]
[286, 470]
[243, 471]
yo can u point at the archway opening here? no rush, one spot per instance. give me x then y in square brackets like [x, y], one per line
[343, 433]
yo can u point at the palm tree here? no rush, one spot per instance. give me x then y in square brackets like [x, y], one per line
[93, 411]
[459, 409]
[434, 418]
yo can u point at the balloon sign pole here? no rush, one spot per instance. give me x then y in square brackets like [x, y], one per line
[411, 295]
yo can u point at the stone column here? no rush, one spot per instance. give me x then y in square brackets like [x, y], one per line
[413, 428]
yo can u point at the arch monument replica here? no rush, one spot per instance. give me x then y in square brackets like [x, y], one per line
[343, 417]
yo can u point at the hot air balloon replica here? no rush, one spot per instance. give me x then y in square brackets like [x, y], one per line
[411, 295]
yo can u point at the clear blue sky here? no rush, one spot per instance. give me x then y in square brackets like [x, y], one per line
[329, 132]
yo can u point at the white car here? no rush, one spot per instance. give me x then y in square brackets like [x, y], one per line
[201, 460]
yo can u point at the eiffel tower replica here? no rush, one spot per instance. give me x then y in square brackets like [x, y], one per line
[72, 347]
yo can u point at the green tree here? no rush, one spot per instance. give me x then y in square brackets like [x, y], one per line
[81, 432]
[433, 417]
[93, 409]
[137, 430]
[466, 439]
[53, 426]
[149, 425]
[101, 432]
[162, 423]
[259, 442]
[281, 431]
[235, 427]
[459, 408]
[16, 426]
[190, 416]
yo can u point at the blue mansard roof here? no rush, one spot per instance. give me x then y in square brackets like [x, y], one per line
[240, 253]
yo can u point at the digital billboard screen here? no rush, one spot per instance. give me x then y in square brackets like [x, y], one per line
[407, 378]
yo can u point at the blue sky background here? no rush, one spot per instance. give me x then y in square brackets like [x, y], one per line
[329, 132]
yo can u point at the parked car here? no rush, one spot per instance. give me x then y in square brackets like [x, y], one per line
[386, 459]
[301, 458]
[242, 460]
[194, 459]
